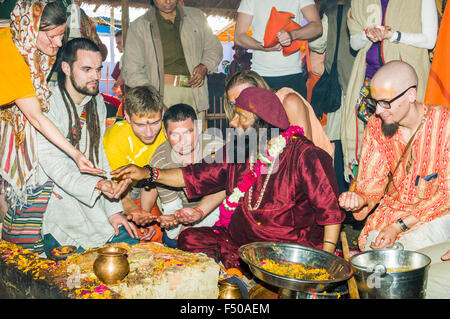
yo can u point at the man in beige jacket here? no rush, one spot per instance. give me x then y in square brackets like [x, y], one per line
[172, 48]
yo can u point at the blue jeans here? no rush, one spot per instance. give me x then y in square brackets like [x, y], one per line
[50, 242]
[171, 243]
[124, 237]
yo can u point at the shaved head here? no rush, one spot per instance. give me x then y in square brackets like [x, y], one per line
[391, 79]
[394, 88]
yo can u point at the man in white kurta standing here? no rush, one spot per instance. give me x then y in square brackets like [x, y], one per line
[83, 210]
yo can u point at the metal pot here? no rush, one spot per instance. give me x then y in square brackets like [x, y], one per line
[391, 273]
[111, 265]
[229, 291]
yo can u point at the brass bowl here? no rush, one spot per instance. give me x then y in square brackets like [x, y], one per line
[111, 265]
[229, 291]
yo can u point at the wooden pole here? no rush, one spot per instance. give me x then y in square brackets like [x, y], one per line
[111, 21]
[125, 19]
[352, 286]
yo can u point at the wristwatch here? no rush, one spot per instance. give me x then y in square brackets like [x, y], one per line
[399, 36]
[402, 225]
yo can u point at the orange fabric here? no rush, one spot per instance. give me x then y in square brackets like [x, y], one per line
[310, 83]
[278, 21]
[15, 76]
[438, 87]
[119, 113]
[323, 119]
[319, 137]
[232, 271]
[316, 68]
[155, 212]
[227, 33]
[226, 36]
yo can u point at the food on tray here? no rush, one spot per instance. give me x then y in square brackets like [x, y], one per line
[294, 270]
[398, 269]
[63, 250]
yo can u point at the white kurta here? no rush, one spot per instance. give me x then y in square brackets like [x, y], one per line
[76, 213]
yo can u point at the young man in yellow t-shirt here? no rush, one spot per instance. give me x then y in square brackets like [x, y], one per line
[133, 141]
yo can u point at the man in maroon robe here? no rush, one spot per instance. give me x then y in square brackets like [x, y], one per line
[296, 203]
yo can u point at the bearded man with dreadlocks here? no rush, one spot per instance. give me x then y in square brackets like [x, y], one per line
[77, 213]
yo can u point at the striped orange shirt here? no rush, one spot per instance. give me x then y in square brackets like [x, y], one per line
[423, 192]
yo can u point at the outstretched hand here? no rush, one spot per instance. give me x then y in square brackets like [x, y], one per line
[131, 171]
[147, 232]
[112, 189]
[118, 219]
[188, 215]
[141, 217]
[166, 221]
[86, 166]
[386, 237]
[351, 201]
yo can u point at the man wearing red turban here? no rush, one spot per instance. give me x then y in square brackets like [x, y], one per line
[288, 195]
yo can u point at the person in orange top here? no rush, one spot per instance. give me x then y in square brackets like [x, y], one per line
[438, 86]
[29, 48]
[404, 166]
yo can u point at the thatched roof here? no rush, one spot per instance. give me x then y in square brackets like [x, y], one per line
[225, 8]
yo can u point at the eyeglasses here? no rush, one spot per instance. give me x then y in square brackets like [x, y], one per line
[387, 104]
